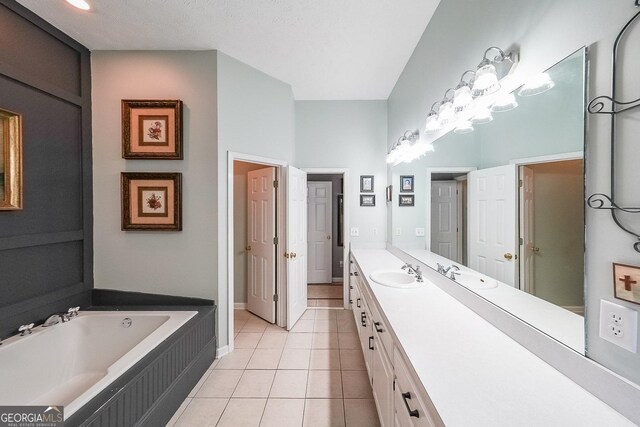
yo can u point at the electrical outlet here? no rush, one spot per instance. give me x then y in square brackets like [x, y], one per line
[375, 231]
[419, 232]
[355, 231]
[619, 325]
[398, 231]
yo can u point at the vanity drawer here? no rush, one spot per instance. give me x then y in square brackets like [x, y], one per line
[382, 331]
[411, 407]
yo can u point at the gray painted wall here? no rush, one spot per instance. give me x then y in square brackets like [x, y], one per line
[46, 248]
[174, 263]
[353, 135]
[545, 31]
[255, 116]
[337, 252]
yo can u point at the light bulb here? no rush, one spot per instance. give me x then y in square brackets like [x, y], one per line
[463, 126]
[433, 124]
[537, 85]
[80, 4]
[483, 115]
[446, 113]
[504, 102]
[486, 81]
[462, 98]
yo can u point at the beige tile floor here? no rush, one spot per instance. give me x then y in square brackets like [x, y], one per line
[312, 376]
[324, 295]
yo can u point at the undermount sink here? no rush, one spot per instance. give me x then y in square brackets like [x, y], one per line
[395, 279]
[473, 280]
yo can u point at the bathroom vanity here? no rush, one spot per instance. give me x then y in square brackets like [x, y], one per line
[432, 361]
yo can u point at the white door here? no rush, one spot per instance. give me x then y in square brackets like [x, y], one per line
[319, 209]
[527, 248]
[492, 223]
[444, 219]
[296, 247]
[261, 247]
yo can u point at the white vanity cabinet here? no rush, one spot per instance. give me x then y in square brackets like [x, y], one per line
[380, 356]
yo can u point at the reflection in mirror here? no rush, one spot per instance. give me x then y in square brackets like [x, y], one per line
[507, 200]
[2, 145]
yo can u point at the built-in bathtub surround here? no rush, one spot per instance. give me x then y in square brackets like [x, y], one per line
[85, 355]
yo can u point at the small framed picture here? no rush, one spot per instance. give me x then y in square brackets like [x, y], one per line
[152, 129]
[366, 183]
[389, 193]
[406, 200]
[151, 201]
[10, 161]
[626, 282]
[406, 183]
[367, 200]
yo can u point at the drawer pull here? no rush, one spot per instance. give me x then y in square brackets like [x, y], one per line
[377, 326]
[363, 318]
[350, 286]
[350, 301]
[412, 412]
[358, 302]
[370, 343]
[355, 273]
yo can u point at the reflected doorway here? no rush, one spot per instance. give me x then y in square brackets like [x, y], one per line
[449, 216]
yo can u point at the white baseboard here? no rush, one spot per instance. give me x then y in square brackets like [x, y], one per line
[222, 351]
[336, 280]
[240, 305]
[577, 309]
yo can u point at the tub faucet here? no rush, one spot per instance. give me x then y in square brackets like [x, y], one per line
[54, 319]
[25, 329]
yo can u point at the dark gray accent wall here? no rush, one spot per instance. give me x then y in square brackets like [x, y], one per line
[46, 249]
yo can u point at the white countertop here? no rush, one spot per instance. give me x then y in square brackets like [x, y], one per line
[561, 324]
[476, 375]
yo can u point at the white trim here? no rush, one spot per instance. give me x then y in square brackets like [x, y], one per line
[240, 305]
[337, 279]
[427, 195]
[281, 284]
[346, 238]
[222, 351]
[574, 155]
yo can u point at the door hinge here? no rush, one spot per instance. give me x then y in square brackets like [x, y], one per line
[521, 241]
[275, 297]
[275, 240]
[275, 184]
[520, 183]
[394, 384]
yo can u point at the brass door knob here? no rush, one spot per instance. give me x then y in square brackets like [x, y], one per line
[293, 254]
[286, 255]
[328, 237]
[508, 256]
[248, 248]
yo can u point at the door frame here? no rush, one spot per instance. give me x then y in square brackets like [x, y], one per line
[430, 171]
[346, 238]
[281, 285]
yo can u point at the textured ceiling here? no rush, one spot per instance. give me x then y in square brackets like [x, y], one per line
[326, 49]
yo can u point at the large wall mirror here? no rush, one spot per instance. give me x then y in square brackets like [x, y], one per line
[500, 210]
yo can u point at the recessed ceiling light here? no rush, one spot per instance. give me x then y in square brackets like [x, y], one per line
[80, 4]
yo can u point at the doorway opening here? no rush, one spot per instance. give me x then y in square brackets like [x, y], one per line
[449, 215]
[551, 229]
[255, 239]
[325, 267]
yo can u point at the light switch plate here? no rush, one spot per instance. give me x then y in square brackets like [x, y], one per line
[355, 231]
[419, 232]
[619, 325]
[398, 231]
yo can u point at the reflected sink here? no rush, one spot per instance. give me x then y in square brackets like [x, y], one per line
[473, 280]
[395, 279]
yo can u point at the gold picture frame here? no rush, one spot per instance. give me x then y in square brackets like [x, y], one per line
[152, 129]
[151, 201]
[10, 161]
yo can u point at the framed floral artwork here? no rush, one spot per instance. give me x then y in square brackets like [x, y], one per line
[152, 129]
[151, 201]
[10, 161]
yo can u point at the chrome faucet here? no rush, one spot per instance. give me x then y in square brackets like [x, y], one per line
[54, 319]
[412, 271]
[443, 270]
[454, 270]
[25, 329]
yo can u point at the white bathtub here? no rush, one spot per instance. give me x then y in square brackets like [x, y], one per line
[70, 363]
